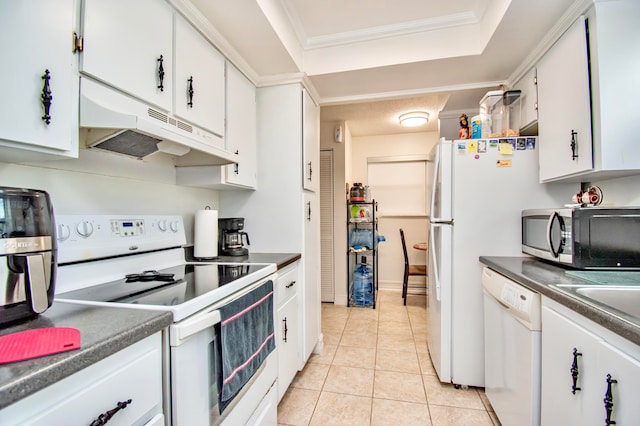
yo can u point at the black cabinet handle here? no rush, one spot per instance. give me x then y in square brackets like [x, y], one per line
[310, 171]
[161, 73]
[574, 144]
[105, 417]
[309, 211]
[190, 92]
[236, 168]
[285, 329]
[291, 284]
[608, 401]
[46, 97]
[574, 371]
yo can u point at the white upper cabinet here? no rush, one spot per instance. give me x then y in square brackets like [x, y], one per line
[528, 87]
[129, 45]
[588, 91]
[241, 132]
[564, 106]
[310, 143]
[199, 79]
[38, 68]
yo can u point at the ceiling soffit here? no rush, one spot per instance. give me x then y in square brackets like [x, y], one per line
[326, 47]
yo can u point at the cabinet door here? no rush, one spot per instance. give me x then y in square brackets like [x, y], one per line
[564, 106]
[528, 98]
[310, 303]
[35, 37]
[287, 333]
[559, 404]
[241, 128]
[199, 79]
[625, 370]
[123, 43]
[310, 143]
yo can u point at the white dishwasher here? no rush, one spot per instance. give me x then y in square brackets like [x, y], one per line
[512, 334]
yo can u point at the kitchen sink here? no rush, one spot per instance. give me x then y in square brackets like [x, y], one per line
[623, 298]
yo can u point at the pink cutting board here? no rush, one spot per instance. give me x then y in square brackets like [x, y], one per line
[37, 343]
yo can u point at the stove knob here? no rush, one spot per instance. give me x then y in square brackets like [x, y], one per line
[63, 232]
[84, 229]
[162, 225]
[174, 226]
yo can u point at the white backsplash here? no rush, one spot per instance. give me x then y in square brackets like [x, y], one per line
[103, 183]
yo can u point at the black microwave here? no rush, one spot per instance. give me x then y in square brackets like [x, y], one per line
[584, 237]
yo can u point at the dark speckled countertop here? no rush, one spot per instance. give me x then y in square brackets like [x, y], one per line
[543, 278]
[103, 332]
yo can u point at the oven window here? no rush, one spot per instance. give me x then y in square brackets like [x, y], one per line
[534, 232]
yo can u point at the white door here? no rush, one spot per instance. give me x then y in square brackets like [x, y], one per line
[327, 252]
[441, 183]
[241, 132]
[36, 38]
[564, 106]
[310, 143]
[439, 300]
[124, 53]
[199, 80]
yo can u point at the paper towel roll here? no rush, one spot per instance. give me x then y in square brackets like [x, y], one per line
[205, 238]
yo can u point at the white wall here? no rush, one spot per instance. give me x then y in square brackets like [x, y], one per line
[620, 192]
[103, 183]
[390, 260]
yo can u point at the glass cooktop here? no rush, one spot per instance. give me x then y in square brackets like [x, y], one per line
[170, 286]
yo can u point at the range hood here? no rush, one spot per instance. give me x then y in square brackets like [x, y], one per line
[115, 122]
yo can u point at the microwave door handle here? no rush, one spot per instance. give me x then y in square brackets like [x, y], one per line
[432, 251]
[555, 253]
[182, 331]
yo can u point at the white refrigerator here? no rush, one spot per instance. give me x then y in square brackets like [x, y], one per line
[478, 189]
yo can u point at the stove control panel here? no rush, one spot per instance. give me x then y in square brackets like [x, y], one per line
[87, 237]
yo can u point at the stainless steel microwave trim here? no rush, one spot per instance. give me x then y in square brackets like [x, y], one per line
[549, 253]
[24, 245]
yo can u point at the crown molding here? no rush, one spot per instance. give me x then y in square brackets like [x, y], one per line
[384, 31]
[197, 19]
[407, 93]
[579, 7]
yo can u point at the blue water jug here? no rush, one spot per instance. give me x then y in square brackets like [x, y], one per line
[362, 284]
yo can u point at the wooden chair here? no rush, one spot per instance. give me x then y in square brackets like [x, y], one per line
[409, 270]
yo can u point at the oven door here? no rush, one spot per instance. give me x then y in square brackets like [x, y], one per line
[547, 234]
[196, 370]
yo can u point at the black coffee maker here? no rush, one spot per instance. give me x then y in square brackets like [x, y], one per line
[230, 236]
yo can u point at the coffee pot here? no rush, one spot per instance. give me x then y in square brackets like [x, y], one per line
[27, 253]
[231, 237]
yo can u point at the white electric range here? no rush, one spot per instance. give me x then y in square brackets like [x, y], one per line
[138, 262]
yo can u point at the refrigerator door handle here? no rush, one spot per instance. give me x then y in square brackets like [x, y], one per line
[436, 167]
[432, 251]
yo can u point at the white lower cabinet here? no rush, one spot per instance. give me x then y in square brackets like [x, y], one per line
[584, 370]
[287, 327]
[134, 373]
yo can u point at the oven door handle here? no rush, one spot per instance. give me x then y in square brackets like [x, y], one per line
[182, 331]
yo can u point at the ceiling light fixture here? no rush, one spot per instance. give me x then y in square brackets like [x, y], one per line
[413, 119]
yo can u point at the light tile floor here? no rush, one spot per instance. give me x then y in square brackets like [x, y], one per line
[375, 370]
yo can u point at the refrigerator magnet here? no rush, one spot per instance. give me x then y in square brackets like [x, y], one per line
[462, 146]
[505, 148]
[503, 163]
[531, 143]
[521, 144]
[482, 146]
[493, 143]
[472, 147]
